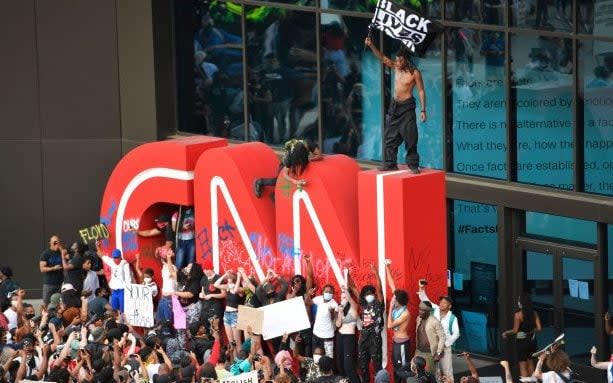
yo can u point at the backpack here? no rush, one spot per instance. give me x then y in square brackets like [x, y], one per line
[567, 380]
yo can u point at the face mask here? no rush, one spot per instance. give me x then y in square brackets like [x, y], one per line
[519, 305]
[327, 296]
[369, 298]
[316, 358]
[231, 286]
[29, 316]
[14, 304]
[147, 280]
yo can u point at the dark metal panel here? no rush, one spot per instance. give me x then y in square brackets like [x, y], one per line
[77, 65]
[18, 76]
[601, 292]
[75, 173]
[550, 247]
[21, 225]
[532, 198]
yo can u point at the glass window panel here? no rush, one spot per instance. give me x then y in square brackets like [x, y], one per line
[282, 71]
[476, 70]
[429, 144]
[596, 89]
[539, 283]
[594, 17]
[551, 15]
[476, 11]
[430, 8]
[351, 89]
[218, 72]
[542, 80]
[474, 277]
[578, 298]
[555, 226]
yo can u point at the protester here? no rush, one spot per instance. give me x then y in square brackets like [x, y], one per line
[398, 320]
[51, 266]
[526, 323]
[448, 320]
[474, 375]
[429, 337]
[346, 322]
[323, 326]
[120, 276]
[558, 363]
[607, 366]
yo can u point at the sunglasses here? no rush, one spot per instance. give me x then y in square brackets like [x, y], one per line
[55, 243]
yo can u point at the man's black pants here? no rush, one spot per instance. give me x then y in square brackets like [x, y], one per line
[401, 125]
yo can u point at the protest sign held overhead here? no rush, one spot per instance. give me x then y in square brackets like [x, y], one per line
[407, 25]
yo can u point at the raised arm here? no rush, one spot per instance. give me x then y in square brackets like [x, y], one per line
[423, 296]
[309, 273]
[390, 278]
[383, 58]
[419, 83]
[595, 363]
[507, 371]
[148, 233]
[379, 285]
[471, 365]
[137, 268]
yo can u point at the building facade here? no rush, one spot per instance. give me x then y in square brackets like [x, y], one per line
[519, 99]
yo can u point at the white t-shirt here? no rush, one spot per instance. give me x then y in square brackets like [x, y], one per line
[610, 373]
[323, 326]
[552, 377]
[152, 369]
[11, 315]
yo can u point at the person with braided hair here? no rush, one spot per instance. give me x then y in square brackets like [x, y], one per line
[296, 157]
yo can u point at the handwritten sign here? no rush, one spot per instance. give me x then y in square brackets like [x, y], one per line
[490, 379]
[247, 377]
[138, 305]
[94, 233]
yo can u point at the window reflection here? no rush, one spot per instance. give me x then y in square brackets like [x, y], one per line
[476, 68]
[542, 78]
[218, 73]
[350, 89]
[552, 15]
[426, 7]
[596, 89]
[477, 11]
[594, 17]
[282, 74]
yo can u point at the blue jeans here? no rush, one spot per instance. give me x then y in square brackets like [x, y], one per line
[117, 300]
[186, 253]
[164, 309]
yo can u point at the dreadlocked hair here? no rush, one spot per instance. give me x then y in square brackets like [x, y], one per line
[405, 53]
[297, 157]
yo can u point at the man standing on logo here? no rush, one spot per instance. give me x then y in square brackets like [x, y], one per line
[401, 120]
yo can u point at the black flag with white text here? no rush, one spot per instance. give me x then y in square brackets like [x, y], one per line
[407, 25]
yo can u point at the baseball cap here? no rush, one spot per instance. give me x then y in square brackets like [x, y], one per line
[67, 286]
[116, 253]
[54, 300]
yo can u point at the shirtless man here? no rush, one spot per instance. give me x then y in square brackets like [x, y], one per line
[398, 320]
[401, 121]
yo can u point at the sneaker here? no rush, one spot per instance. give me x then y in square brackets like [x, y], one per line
[257, 188]
[414, 170]
[387, 168]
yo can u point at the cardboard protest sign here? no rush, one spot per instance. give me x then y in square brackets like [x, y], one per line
[138, 305]
[94, 233]
[250, 317]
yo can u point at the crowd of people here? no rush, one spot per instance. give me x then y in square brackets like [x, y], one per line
[81, 333]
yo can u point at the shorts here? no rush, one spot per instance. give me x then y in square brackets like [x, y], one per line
[230, 318]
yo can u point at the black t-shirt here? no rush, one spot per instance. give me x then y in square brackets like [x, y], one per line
[372, 317]
[213, 305]
[169, 235]
[76, 275]
[52, 258]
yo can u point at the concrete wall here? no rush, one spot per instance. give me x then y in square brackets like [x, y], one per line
[78, 91]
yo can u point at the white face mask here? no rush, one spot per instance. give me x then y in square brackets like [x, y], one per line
[14, 304]
[147, 280]
[327, 297]
[231, 286]
[369, 298]
[316, 358]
